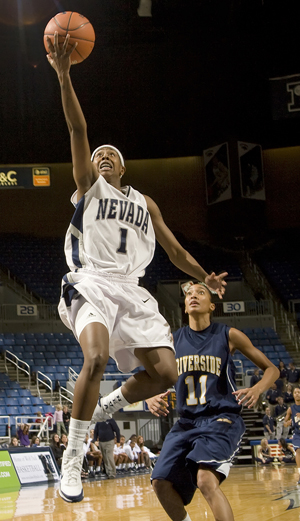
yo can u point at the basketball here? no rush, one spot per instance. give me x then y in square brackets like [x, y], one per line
[80, 30]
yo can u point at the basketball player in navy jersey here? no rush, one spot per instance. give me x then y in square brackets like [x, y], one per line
[293, 418]
[109, 243]
[198, 450]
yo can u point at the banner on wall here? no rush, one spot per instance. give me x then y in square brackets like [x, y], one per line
[15, 177]
[217, 174]
[8, 478]
[35, 465]
[251, 171]
[285, 97]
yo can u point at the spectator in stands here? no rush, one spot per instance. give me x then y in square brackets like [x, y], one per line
[283, 371]
[56, 449]
[58, 420]
[272, 395]
[292, 375]
[121, 457]
[280, 412]
[146, 454]
[23, 435]
[287, 450]
[288, 396]
[93, 456]
[66, 417]
[264, 453]
[105, 433]
[35, 441]
[64, 441]
[255, 378]
[269, 423]
[14, 442]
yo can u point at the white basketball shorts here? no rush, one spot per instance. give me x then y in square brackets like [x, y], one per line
[128, 311]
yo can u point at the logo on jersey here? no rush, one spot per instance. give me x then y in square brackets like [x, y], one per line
[205, 364]
[123, 211]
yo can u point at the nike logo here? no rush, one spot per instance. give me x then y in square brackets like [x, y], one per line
[146, 300]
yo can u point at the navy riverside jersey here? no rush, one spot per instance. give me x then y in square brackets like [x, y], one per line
[295, 419]
[206, 372]
[111, 231]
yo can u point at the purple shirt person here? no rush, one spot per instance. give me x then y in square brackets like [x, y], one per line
[23, 431]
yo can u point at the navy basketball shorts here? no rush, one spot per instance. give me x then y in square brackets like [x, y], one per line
[296, 441]
[211, 442]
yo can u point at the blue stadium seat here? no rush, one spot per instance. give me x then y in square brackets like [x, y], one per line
[36, 400]
[12, 393]
[3, 410]
[26, 411]
[2, 401]
[24, 392]
[25, 401]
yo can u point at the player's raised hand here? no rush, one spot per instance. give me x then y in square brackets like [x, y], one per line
[59, 56]
[157, 405]
[216, 283]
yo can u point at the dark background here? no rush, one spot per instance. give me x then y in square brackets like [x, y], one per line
[193, 75]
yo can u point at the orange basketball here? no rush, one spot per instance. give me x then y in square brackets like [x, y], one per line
[79, 29]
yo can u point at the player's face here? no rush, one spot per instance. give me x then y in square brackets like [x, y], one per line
[198, 300]
[296, 394]
[108, 163]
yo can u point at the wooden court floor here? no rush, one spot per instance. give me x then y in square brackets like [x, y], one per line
[255, 494]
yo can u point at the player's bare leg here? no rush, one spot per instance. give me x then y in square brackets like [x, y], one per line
[160, 373]
[298, 462]
[169, 499]
[209, 485]
[94, 343]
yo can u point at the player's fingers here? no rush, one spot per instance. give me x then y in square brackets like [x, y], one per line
[49, 44]
[65, 44]
[69, 52]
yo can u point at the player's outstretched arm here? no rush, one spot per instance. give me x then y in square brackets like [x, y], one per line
[179, 256]
[288, 418]
[250, 395]
[83, 170]
[157, 405]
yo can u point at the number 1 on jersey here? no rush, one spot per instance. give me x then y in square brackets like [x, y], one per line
[192, 399]
[122, 247]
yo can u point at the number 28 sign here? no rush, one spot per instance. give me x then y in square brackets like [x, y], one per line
[233, 307]
[27, 310]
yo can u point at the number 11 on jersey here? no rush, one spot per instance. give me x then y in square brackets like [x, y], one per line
[192, 398]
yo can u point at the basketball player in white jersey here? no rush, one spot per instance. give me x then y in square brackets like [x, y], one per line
[109, 243]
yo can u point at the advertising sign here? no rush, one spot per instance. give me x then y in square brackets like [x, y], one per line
[8, 477]
[14, 177]
[36, 465]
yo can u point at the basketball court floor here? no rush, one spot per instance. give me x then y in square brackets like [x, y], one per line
[255, 494]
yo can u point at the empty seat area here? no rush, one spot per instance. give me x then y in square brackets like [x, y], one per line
[51, 353]
[15, 401]
[267, 341]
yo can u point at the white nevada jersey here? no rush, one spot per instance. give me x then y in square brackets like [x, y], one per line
[111, 231]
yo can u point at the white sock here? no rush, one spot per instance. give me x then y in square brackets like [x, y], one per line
[91, 469]
[187, 518]
[98, 469]
[77, 432]
[114, 401]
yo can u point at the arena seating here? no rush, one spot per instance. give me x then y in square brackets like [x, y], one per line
[40, 264]
[267, 341]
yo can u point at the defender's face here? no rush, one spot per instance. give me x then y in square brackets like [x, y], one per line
[296, 394]
[198, 300]
[108, 163]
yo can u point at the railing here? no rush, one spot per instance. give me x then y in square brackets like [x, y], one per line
[65, 394]
[8, 437]
[18, 364]
[45, 427]
[40, 381]
[9, 312]
[239, 372]
[152, 430]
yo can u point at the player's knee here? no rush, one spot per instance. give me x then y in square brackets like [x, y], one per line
[206, 486]
[167, 377]
[95, 364]
[160, 486]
